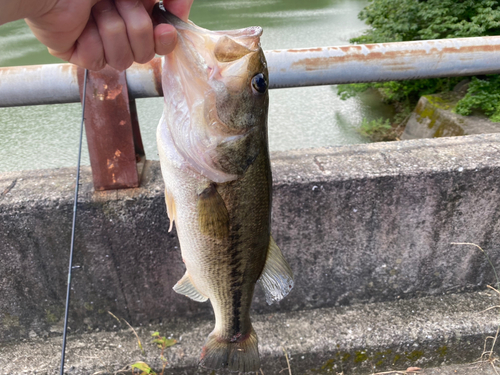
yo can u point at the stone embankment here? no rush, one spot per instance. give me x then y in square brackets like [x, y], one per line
[368, 230]
[434, 117]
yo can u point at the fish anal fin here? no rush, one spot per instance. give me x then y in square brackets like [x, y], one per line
[241, 354]
[277, 277]
[213, 217]
[186, 287]
[171, 210]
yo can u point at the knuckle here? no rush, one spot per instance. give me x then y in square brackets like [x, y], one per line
[103, 8]
[94, 64]
[99, 65]
[114, 27]
[122, 64]
[129, 4]
[142, 30]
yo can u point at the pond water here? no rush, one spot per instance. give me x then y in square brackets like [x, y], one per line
[47, 136]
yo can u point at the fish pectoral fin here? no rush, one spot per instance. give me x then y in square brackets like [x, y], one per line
[171, 211]
[213, 217]
[277, 276]
[185, 287]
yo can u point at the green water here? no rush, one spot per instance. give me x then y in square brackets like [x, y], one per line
[47, 136]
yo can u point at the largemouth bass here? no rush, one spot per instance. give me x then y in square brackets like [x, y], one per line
[212, 142]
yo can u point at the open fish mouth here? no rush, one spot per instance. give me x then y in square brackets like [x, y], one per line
[222, 55]
[214, 78]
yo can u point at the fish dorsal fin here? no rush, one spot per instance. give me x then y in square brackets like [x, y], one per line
[277, 276]
[171, 211]
[212, 213]
[185, 286]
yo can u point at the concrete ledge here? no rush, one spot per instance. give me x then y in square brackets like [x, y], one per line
[359, 224]
[361, 339]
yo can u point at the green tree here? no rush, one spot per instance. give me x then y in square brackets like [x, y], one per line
[407, 20]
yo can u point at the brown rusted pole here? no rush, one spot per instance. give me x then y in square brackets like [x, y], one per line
[112, 130]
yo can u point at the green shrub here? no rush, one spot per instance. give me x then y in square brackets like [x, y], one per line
[407, 20]
[482, 94]
[377, 130]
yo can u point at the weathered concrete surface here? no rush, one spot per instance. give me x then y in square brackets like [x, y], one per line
[422, 332]
[433, 117]
[364, 223]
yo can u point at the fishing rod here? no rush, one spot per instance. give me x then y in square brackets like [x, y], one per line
[68, 292]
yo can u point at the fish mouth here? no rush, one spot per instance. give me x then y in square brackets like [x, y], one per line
[222, 54]
[218, 64]
[212, 109]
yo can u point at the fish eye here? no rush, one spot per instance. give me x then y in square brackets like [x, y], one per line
[259, 83]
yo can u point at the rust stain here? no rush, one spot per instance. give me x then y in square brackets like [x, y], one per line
[111, 162]
[155, 64]
[317, 49]
[355, 47]
[70, 69]
[109, 130]
[392, 58]
[312, 63]
[98, 95]
[111, 94]
[473, 49]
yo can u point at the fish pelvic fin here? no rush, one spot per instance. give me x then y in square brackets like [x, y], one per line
[171, 210]
[277, 277]
[213, 217]
[239, 354]
[186, 287]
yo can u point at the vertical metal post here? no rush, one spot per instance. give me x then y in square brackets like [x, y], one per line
[136, 130]
[112, 129]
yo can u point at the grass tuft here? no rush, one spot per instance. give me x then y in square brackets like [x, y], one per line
[488, 355]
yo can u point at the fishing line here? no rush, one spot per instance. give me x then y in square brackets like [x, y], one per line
[63, 351]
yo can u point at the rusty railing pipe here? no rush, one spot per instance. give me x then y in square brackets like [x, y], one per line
[384, 62]
[58, 83]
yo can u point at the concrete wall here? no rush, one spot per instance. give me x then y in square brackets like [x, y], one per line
[359, 223]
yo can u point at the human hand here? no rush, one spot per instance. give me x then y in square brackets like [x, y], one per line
[93, 33]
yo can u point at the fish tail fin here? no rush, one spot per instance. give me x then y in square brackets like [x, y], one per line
[240, 355]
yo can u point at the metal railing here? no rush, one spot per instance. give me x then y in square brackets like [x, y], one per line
[115, 91]
[58, 83]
